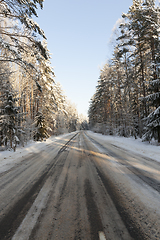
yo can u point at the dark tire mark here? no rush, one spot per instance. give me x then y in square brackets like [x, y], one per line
[93, 213]
[140, 173]
[12, 219]
[59, 167]
[18, 172]
[132, 227]
[78, 230]
[62, 194]
[66, 144]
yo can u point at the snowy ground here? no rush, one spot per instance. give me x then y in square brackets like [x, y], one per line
[137, 196]
[8, 159]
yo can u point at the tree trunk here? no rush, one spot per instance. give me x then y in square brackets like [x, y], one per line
[158, 134]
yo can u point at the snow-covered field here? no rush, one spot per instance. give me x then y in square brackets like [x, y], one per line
[9, 158]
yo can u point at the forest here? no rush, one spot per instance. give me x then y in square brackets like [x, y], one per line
[127, 97]
[32, 104]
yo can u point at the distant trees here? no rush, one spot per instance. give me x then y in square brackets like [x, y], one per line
[66, 117]
[127, 98]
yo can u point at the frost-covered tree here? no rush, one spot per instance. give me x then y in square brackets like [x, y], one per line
[9, 112]
[40, 131]
[48, 103]
[143, 27]
[60, 113]
[101, 112]
[9, 119]
[19, 34]
[65, 113]
[130, 83]
[72, 116]
[152, 121]
[21, 11]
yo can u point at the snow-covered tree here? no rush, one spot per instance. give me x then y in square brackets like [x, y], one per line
[19, 34]
[127, 96]
[9, 119]
[152, 121]
[40, 131]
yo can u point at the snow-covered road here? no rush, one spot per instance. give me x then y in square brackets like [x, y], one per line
[9, 159]
[96, 187]
[137, 180]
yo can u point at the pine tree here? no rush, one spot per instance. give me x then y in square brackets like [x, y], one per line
[9, 120]
[131, 85]
[152, 121]
[41, 131]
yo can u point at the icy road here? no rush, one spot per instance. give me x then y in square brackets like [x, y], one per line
[81, 187]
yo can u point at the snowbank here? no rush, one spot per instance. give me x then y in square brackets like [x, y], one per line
[9, 158]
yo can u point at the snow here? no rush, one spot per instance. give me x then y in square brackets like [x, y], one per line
[133, 145]
[9, 159]
[148, 200]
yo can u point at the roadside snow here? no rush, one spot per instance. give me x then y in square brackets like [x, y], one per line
[10, 158]
[131, 144]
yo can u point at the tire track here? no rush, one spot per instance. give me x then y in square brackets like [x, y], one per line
[12, 219]
[136, 171]
[133, 229]
[93, 213]
[124, 213]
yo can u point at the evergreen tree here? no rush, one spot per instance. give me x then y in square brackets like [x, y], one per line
[9, 120]
[152, 121]
[41, 131]
[130, 83]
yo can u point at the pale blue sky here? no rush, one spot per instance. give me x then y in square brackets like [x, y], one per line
[78, 34]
